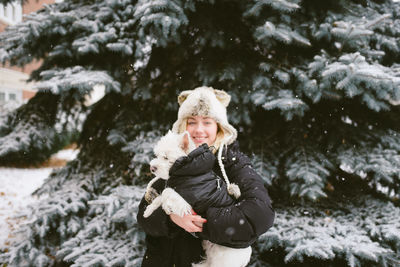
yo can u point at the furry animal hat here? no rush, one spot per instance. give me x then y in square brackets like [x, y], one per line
[208, 102]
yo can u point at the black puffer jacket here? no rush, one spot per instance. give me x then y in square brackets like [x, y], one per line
[194, 179]
[236, 225]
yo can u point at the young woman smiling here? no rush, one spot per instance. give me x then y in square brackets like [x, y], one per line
[177, 241]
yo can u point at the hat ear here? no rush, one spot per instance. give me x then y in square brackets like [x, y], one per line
[222, 97]
[183, 95]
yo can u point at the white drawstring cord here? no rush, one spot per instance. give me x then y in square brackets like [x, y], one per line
[233, 189]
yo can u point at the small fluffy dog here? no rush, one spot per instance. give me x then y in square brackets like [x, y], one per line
[171, 147]
[168, 149]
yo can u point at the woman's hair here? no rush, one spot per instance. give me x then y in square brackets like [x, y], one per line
[218, 139]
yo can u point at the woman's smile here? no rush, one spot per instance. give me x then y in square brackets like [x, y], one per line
[198, 139]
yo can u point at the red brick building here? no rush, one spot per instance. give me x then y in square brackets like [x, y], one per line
[12, 79]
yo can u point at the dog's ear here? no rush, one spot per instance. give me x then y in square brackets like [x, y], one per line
[192, 145]
[183, 95]
[187, 143]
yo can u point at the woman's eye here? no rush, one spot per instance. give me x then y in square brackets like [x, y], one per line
[166, 158]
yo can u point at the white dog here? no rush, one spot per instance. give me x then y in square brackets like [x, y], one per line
[168, 149]
[171, 147]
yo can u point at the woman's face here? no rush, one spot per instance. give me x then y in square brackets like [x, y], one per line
[202, 130]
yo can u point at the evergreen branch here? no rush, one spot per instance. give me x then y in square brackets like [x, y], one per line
[35, 130]
[379, 167]
[266, 163]
[378, 20]
[307, 171]
[304, 232]
[279, 5]
[376, 84]
[142, 148]
[59, 81]
[287, 103]
[110, 211]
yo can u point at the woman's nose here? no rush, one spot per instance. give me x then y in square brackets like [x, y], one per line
[199, 128]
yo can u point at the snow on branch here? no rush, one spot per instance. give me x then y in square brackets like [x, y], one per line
[114, 213]
[353, 31]
[38, 26]
[269, 32]
[59, 81]
[351, 73]
[266, 164]
[304, 232]
[378, 165]
[142, 147]
[31, 133]
[286, 102]
[279, 5]
[307, 171]
[43, 215]
[159, 18]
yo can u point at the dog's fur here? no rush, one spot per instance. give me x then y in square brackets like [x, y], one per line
[171, 147]
[217, 255]
[168, 149]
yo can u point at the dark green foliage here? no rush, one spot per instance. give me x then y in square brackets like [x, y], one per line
[20, 145]
[315, 89]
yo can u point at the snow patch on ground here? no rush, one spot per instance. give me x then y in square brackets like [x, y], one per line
[16, 188]
[66, 154]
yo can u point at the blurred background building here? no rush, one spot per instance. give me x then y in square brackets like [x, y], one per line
[14, 90]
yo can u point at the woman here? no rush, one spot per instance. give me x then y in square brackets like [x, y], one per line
[176, 241]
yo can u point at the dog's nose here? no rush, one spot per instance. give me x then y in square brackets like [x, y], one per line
[153, 169]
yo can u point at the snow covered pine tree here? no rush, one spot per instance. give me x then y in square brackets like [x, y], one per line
[316, 93]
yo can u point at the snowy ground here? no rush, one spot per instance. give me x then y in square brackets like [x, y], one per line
[16, 186]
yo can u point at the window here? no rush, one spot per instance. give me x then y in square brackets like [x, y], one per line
[12, 96]
[11, 13]
[2, 97]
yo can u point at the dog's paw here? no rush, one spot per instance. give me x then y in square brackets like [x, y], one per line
[150, 195]
[152, 207]
[148, 211]
[174, 203]
[182, 208]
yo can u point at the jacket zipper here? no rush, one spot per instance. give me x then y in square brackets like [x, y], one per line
[218, 183]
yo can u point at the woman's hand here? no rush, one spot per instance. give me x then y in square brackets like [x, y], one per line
[190, 222]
